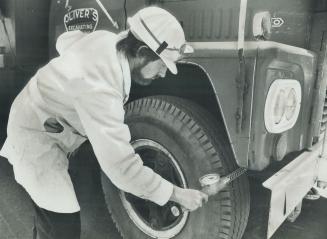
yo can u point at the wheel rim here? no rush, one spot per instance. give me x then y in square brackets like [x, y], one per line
[155, 221]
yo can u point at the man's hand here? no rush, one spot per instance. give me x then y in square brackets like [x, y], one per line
[190, 199]
[216, 187]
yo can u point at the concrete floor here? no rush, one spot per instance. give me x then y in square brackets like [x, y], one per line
[16, 215]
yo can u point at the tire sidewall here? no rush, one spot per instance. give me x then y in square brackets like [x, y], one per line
[191, 153]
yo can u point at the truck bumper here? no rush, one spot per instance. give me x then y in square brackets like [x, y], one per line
[290, 184]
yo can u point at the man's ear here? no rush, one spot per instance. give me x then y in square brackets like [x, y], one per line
[141, 52]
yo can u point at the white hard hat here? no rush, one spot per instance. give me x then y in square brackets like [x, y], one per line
[162, 32]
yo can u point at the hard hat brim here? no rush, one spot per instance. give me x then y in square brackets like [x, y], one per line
[170, 65]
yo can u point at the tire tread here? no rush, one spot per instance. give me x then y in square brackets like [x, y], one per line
[203, 129]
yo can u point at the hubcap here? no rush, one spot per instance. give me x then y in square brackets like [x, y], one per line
[154, 220]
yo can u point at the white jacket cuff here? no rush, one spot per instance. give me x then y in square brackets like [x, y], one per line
[162, 195]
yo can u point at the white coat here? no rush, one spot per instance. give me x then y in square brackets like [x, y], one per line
[84, 90]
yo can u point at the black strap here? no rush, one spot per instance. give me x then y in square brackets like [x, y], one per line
[162, 47]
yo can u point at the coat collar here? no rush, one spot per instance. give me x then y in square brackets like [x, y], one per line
[125, 69]
[126, 75]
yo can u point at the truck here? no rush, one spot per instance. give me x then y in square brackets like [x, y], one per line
[251, 95]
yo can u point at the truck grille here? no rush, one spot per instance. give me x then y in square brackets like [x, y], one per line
[324, 116]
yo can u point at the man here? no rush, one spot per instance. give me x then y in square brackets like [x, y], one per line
[80, 95]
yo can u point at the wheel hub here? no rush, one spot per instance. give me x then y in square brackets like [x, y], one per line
[154, 220]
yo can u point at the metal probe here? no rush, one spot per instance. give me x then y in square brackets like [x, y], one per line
[211, 184]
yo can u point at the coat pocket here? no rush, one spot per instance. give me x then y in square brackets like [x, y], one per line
[65, 135]
[52, 125]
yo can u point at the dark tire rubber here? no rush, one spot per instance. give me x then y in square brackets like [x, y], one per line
[200, 146]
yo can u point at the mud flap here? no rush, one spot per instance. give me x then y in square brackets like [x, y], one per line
[290, 184]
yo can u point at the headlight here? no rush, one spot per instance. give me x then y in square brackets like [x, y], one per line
[291, 103]
[282, 105]
[279, 106]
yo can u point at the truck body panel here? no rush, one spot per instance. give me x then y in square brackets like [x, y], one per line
[211, 23]
[266, 61]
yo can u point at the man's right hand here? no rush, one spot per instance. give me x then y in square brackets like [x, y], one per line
[190, 199]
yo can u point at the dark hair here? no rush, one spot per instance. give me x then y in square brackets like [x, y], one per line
[130, 46]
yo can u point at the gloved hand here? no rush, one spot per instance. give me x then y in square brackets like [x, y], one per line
[189, 199]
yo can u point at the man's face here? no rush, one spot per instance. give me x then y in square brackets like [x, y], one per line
[147, 71]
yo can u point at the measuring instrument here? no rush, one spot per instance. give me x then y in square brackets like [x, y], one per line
[212, 183]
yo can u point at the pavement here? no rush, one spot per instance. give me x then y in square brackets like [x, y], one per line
[16, 212]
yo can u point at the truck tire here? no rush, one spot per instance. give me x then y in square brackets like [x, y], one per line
[179, 141]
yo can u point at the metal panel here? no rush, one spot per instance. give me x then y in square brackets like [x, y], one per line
[31, 28]
[220, 60]
[224, 77]
[217, 20]
[27, 27]
[7, 91]
[321, 5]
[318, 43]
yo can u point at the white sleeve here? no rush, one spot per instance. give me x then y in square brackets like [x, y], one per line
[102, 115]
